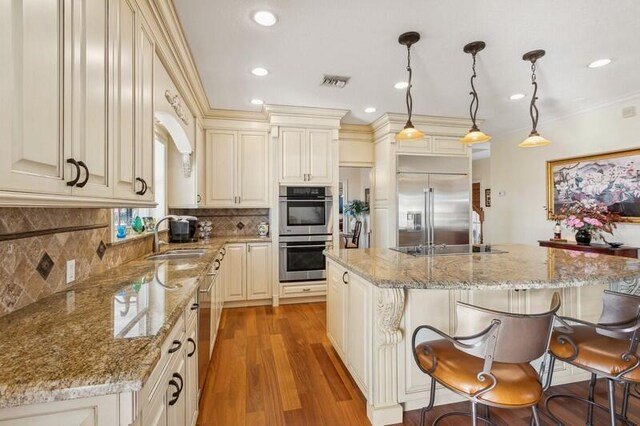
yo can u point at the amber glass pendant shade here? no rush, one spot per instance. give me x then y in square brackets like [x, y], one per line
[409, 133]
[533, 141]
[475, 136]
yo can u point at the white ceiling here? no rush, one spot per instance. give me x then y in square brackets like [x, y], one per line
[358, 38]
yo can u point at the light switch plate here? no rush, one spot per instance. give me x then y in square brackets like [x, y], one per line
[71, 271]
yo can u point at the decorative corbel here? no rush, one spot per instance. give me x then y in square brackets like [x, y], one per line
[186, 164]
[390, 307]
[176, 103]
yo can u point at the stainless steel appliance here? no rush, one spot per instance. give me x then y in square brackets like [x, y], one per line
[204, 322]
[434, 205]
[443, 250]
[305, 210]
[301, 257]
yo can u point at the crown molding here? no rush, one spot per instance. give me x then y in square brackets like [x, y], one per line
[361, 132]
[234, 114]
[308, 112]
[175, 54]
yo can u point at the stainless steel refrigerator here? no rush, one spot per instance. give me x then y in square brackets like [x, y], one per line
[434, 205]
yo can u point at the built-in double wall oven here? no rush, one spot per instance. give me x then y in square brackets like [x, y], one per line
[305, 232]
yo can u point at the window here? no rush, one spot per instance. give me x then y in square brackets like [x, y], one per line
[125, 216]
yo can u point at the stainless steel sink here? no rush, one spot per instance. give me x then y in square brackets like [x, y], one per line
[178, 254]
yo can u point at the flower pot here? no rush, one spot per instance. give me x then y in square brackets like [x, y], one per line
[583, 237]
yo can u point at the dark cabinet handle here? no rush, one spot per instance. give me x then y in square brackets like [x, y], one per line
[195, 306]
[345, 276]
[216, 264]
[198, 199]
[73, 182]
[193, 342]
[144, 186]
[176, 394]
[177, 344]
[86, 170]
[223, 251]
[179, 377]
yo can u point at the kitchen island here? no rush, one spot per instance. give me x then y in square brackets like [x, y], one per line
[377, 297]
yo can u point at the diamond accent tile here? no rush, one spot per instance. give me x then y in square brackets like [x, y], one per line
[45, 266]
[102, 248]
[240, 225]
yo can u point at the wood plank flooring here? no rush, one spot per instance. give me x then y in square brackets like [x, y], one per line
[275, 366]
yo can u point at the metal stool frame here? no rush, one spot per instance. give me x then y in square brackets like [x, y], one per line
[620, 319]
[502, 341]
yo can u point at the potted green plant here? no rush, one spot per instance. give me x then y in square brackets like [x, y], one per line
[356, 209]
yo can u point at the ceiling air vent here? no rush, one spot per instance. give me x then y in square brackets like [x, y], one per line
[334, 81]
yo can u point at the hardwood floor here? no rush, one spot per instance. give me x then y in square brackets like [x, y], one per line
[275, 366]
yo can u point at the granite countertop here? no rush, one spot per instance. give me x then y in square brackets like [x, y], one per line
[521, 267]
[81, 342]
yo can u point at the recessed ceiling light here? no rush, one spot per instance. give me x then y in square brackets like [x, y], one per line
[264, 18]
[369, 110]
[257, 101]
[516, 96]
[600, 63]
[259, 71]
[401, 85]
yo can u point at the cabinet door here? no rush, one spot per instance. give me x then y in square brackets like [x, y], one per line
[221, 169]
[235, 273]
[358, 333]
[176, 413]
[449, 146]
[319, 156]
[86, 39]
[293, 146]
[259, 271]
[156, 412]
[33, 157]
[336, 308]
[145, 135]
[124, 97]
[253, 169]
[215, 307]
[191, 380]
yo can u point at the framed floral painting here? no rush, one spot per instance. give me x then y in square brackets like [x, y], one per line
[612, 179]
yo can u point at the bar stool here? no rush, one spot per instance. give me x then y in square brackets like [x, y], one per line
[608, 349]
[488, 362]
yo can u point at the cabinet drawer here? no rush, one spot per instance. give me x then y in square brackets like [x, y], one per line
[166, 358]
[302, 290]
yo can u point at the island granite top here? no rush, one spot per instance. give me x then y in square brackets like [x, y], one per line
[79, 343]
[521, 267]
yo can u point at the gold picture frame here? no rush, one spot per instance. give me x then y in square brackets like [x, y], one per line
[612, 178]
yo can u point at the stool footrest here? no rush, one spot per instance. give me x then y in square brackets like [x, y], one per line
[547, 412]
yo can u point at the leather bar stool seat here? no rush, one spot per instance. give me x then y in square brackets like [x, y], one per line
[517, 385]
[596, 353]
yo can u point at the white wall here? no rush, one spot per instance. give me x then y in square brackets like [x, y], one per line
[520, 215]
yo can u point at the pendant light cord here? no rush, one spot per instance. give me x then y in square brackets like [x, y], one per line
[409, 98]
[533, 109]
[473, 108]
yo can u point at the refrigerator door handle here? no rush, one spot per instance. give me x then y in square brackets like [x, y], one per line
[427, 229]
[431, 214]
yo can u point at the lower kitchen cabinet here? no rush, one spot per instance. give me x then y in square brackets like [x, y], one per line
[191, 379]
[247, 272]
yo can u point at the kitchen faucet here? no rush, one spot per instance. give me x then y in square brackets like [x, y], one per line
[156, 239]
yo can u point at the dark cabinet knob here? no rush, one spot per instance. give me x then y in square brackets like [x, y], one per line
[144, 186]
[193, 342]
[177, 344]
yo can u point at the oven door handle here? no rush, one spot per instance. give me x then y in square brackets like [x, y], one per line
[309, 200]
[284, 245]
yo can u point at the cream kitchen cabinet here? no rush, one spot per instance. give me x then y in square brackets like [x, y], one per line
[133, 53]
[306, 156]
[73, 102]
[348, 316]
[237, 169]
[247, 272]
[438, 145]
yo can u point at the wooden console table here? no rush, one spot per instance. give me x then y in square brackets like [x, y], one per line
[623, 251]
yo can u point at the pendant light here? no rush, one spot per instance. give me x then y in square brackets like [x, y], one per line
[534, 139]
[474, 135]
[409, 133]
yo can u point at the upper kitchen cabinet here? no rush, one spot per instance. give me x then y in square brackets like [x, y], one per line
[306, 156]
[307, 143]
[133, 53]
[237, 169]
[31, 105]
[74, 107]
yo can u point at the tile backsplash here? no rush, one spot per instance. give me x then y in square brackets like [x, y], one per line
[33, 266]
[236, 222]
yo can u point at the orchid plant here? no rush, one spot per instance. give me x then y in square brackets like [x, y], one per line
[590, 216]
